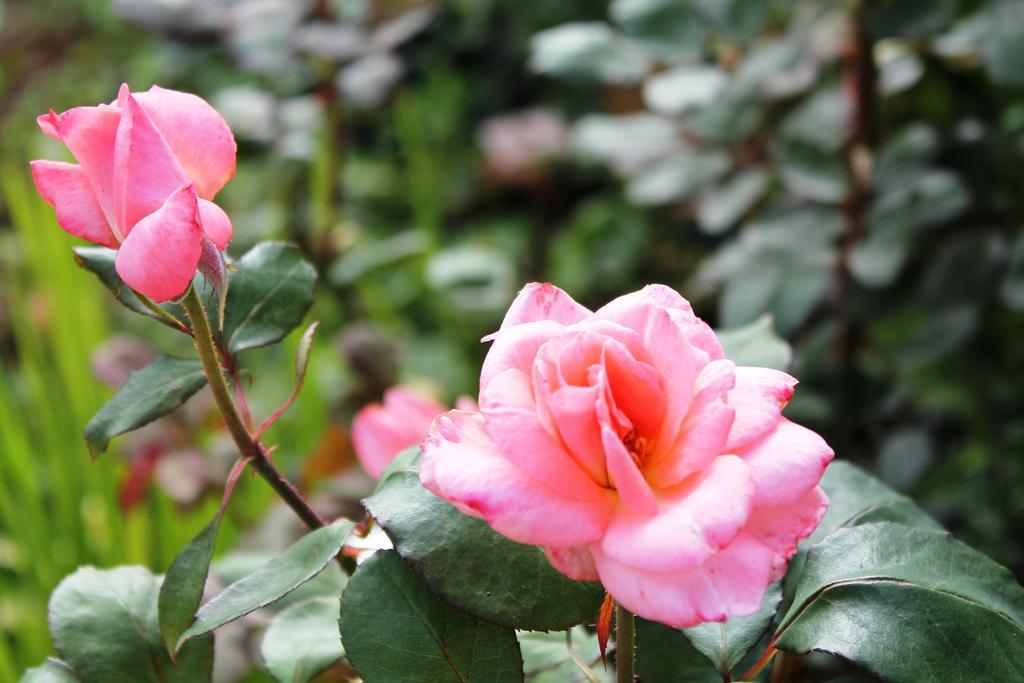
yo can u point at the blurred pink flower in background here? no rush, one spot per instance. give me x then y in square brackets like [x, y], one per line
[380, 432]
[516, 144]
[149, 165]
[628, 446]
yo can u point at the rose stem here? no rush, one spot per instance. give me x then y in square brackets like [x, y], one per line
[625, 648]
[248, 446]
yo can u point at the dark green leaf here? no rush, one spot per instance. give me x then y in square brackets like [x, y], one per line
[813, 174]
[665, 655]
[728, 642]
[302, 640]
[910, 18]
[676, 178]
[908, 604]
[756, 344]
[284, 573]
[589, 50]
[50, 671]
[1003, 47]
[722, 207]
[152, 392]
[473, 567]
[268, 295]
[104, 624]
[393, 628]
[182, 589]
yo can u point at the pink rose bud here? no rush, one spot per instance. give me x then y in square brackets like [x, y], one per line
[148, 167]
[627, 445]
[380, 432]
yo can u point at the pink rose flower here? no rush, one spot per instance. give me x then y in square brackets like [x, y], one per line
[148, 167]
[628, 446]
[380, 432]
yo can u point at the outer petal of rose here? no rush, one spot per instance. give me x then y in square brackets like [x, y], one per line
[781, 528]
[145, 170]
[786, 463]
[516, 348]
[65, 187]
[160, 258]
[658, 295]
[216, 224]
[731, 583]
[668, 351]
[576, 563]
[701, 439]
[510, 416]
[90, 132]
[412, 406]
[199, 137]
[759, 396]
[633, 489]
[463, 465]
[692, 523]
[541, 301]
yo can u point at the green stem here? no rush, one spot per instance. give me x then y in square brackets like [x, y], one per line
[248, 446]
[625, 645]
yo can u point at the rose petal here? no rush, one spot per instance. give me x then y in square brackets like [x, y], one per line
[216, 224]
[510, 416]
[693, 521]
[159, 257]
[781, 528]
[89, 133]
[786, 463]
[731, 583]
[145, 170]
[380, 432]
[198, 136]
[633, 489]
[463, 465]
[516, 348]
[759, 396]
[541, 301]
[576, 563]
[635, 387]
[66, 188]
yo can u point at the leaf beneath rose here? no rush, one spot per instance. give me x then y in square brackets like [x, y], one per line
[907, 604]
[470, 565]
[50, 671]
[727, 643]
[393, 628]
[302, 640]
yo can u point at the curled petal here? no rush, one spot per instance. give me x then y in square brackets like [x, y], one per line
[781, 528]
[66, 188]
[701, 440]
[694, 521]
[198, 136]
[576, 563]
[145, 170]
[786, 463]
[463, 465]
[89, 133]
[572, 411]
[510, 416]
[634, 491]
[759, 396]
[159, 258]
[731, 583]
[216, 224]
[541, 301]
[517, 348]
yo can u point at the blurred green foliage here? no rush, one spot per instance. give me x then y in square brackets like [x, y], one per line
[852, 169]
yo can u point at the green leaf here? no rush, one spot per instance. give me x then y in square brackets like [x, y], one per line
[1003, 47]
[684, 88]
[756, 344]
[908, 604]
[104, 624]
[589, 50]
[50, 671]
[393, 628]
[664, 654]
[546, 656]
[182, 589]
[723, 206]
[667, 28]
[150, 393]
[302, 641]
[284, 573]
[811, 173]
[473, 567]
[728, 642]
[268, 296]
[676, 178]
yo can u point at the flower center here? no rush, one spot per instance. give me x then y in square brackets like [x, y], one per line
[636, 445]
